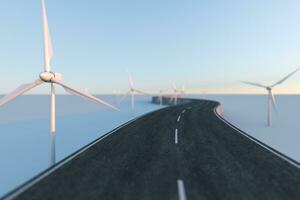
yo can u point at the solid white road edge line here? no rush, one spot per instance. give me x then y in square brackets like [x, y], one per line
[176, 136]
[260, 144]
[181, 190]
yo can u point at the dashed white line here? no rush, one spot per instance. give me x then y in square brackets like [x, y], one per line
[176, 136]
[181, 190]
[178, 119]
[183, 111]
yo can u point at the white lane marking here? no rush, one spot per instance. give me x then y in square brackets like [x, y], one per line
[178, 119]
[183, 111]
[181, 190]
[47, 172]
[257, 142]
[176, 136]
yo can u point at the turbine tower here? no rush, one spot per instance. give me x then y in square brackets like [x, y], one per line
[183, 90]
[271, 97]
[174, 96]
[48, 76]
[160, 97]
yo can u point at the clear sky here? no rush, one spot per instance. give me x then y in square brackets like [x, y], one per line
[207, 45]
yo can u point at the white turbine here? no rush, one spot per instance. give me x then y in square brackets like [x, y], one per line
[48, 76]
[160, 96]
[175, 95]
[183, 90]
[132, 92]
[271, 97]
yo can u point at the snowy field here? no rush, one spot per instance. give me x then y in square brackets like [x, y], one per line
[24, 136]
[249, 113]
[24, 125]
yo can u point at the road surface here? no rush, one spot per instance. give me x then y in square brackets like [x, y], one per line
[182, 152]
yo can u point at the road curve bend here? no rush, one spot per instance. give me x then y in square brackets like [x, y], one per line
[183, 152]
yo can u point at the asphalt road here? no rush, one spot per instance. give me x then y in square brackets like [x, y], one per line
[181, 152]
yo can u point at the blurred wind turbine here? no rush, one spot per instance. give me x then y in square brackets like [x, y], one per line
[183, 90]
[48, 76]
[161, 96]
[175, 95]
[271, 97]
[132, 92]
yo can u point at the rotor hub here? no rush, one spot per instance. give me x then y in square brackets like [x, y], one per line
[48, 76]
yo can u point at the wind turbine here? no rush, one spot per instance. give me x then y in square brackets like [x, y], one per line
[48, 76]
[161, 97]
[132, 92]
[271, 97]
[183, 90]
[174, 97]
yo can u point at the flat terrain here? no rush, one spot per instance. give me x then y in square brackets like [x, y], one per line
[249, 113]
[180, 152]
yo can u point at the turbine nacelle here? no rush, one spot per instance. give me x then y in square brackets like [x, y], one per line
[269, 88]
[48, 76]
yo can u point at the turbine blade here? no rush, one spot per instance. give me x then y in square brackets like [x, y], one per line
[285, 78]
[253, 84]
[84, 95]
[48, 51]
[273, 101]
[131, 82]
[19, 91]
[123, 97]
[141, 92]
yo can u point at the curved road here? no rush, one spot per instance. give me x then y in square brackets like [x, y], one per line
[181, 152]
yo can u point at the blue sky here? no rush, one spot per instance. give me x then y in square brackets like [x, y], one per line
[206, 45]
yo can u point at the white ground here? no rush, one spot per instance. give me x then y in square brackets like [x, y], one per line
[249, 113]
[24, 135]
[24, 126]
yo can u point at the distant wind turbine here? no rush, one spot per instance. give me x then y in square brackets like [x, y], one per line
[183, 90]
[174, 97]
[161, 96]
[48, 76]
[132, 92]
[271, 97]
